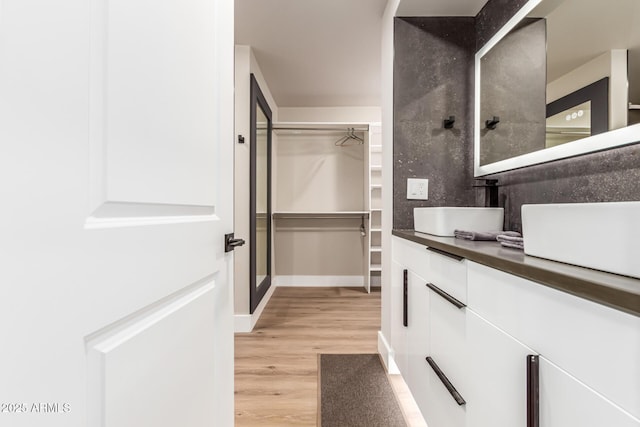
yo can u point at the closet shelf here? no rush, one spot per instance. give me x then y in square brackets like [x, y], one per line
[376, 267]
[375, 186]
[322, 215]
[376, 210]
[376, 148]
[375, 168]
[376, 229]
[376, 248]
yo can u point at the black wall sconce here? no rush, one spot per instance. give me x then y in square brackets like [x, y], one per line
[492, 122]
[448, 123]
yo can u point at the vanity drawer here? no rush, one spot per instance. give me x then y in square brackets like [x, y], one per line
[446, 272]
[410, 254]
[598, 345]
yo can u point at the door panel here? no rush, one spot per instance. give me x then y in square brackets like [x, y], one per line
[155, 351]
[115, 206]
[152, 139]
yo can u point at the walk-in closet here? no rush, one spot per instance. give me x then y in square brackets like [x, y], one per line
[308, 187]
[326, 204]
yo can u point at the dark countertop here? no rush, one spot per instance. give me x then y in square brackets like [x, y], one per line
[619, 292]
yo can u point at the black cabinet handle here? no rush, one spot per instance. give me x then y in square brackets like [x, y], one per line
[533, 391]
[447, 254]
[405, 298]
[450, 388]
[445, 295]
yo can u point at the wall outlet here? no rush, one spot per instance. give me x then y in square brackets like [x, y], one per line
[417, 189]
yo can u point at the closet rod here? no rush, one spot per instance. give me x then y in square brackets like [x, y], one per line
[335, 129]
[320, 217]
[296, 215]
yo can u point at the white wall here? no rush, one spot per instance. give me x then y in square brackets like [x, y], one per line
[314, 175]
[245, 64]
[387, 176]
[330, 114]
[612, 64]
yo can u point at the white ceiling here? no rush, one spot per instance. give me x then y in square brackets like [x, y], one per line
[326, 53]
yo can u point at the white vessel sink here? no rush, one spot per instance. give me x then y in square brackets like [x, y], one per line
[442, 221]
[602, 236]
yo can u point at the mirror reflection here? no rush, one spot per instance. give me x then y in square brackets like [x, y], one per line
[568, 125]
[262, 214]
[552, 56]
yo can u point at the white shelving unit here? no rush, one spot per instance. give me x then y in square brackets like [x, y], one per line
[375, 204]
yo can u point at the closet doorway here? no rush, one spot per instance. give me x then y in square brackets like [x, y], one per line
[322, 228]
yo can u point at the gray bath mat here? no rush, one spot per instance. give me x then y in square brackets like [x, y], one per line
[354, 391]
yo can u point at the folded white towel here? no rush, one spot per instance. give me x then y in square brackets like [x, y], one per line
[514, 242]
[512, 245]
[483, 235]
[510, 239]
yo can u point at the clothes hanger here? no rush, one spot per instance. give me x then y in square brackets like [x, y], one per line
[350, 136]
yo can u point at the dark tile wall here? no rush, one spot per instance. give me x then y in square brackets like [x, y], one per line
[433, 79]
[609, 176]
[514, 84]
[493, 16]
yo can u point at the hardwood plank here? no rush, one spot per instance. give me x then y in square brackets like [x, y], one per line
[276, 365]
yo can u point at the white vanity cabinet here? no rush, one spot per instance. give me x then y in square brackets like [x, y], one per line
[399, 332]
[597, 345]
[410, 313]
[447, 285]
[436, 285]
[497, 383]
[481, 326]
[566, 402]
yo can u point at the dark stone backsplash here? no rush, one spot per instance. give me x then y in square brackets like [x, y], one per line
[433, 78]
[493, 16]
[608, 176]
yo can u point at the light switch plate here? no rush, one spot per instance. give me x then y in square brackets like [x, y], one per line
[417, 189]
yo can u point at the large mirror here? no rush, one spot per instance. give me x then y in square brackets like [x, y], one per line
[560, 79]
[260, 204]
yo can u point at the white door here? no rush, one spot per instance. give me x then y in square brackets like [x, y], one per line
[116, 130]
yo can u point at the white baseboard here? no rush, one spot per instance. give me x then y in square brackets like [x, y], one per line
[386, 352]
[319, 280]
[246, 322]
[242, 322]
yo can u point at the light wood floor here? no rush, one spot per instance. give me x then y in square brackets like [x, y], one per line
[276, 364]
[276, 367]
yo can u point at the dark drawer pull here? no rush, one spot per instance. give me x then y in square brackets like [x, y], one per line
[447, 254]
[405, 298]
[450, 388]
[445, 295]
[533, 391]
